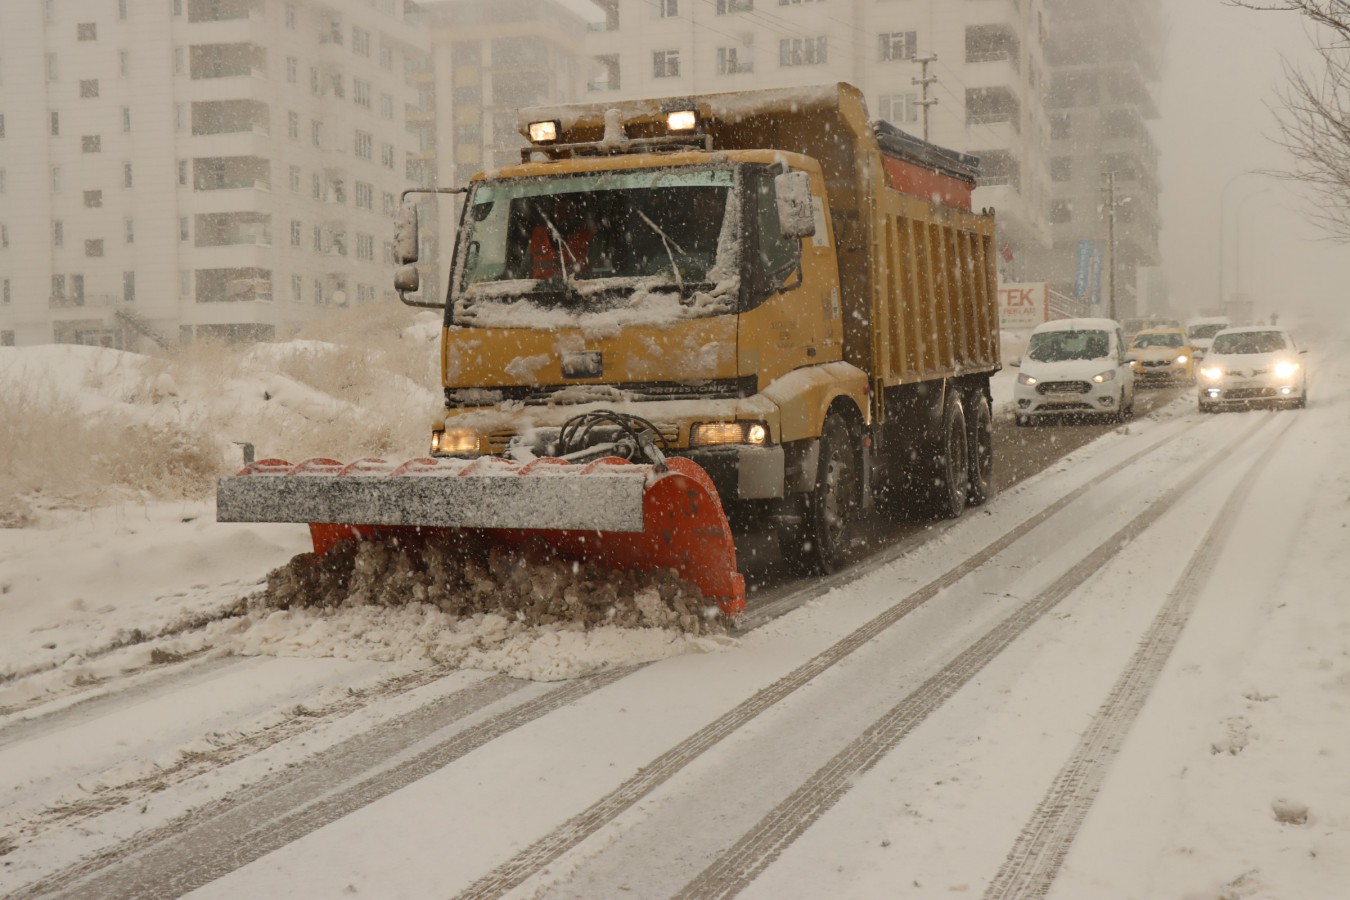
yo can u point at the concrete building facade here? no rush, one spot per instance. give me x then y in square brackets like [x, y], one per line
[179, 168]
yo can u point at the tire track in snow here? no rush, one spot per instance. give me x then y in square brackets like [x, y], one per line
[214, 840]
[1040, 850]
[543, 852]
[736, 868]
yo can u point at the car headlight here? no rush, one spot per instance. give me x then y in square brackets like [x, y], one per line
[1103, 377]
[1285, 369]
[1024, 378]
[1212, 373]
[1183, 359]
[454, 440]
[712, 434]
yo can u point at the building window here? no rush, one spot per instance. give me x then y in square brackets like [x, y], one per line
[93, 199]
[318, 291]
[129, 230]
[316, 133]
[387, 58]
[339, 90]
[1060, 129]
[669, 9]
[183, 172]
[666, 64]
[86, 31]
[58, 233]
[802, 51]
[51, 67]
[295, 232]
[59, 286]
[56, 124]
[314, 85]
[365, 246]
[89, 87]
[2, 125]
[387, 156]
[316, 185]
[297, 287]
[734, 6]
[293, 125]
[128, 286]
[124, 63]
[56, 179]
[292, 69]
[93, 248]
[126, 119]
[4, 237]
[386, 106]
[1061, 211]
[318, 239]
[184, 228]
[295, 179]
[365, 195]
[290, 17]
[122, 10]
[360, 41]
[898, 108]
[126, 175]
[364, 144]
[898, 45]
[91, 143]
[361, 92]
[1061, 168]
[732, 60]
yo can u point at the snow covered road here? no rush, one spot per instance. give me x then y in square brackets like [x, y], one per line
[1108, 682]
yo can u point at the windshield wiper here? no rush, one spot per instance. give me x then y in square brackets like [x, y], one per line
[565, 256]
[666, 241]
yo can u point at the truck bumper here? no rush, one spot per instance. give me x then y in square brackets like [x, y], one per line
[743, 473]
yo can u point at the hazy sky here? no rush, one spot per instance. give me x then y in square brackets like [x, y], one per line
[1223, 72]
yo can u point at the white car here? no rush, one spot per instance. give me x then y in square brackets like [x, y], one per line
[1074, 367]
[1255, 364]
[1200, 332]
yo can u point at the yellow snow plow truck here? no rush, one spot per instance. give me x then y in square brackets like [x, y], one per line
[674, 315]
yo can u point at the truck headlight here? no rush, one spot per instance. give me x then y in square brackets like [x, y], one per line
[454, 440]
[1103, 377]
[712, 434]
[1285, 369]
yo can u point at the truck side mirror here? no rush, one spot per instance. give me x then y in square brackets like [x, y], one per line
[406, 280]
[405, 235]
[792, 191]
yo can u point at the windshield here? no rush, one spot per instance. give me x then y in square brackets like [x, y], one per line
[1144, 341]
[587, 241]
[1204, 331]
[1250, 342]
[1058, 346]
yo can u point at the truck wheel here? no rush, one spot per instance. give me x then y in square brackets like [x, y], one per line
[950, 472]
[981, 446]
[819, 544]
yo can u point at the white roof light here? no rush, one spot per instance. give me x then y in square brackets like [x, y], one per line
[543, 132]
[682, 120]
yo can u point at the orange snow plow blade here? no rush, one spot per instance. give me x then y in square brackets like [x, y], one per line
[618, 514]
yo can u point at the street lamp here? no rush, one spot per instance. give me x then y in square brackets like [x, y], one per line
[1223, 198]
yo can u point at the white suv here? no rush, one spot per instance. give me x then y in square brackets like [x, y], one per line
[1074, 367]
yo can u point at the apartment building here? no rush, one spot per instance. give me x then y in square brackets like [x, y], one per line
[492, 57]
[180, 168]
[984, 91]
[1105, 59]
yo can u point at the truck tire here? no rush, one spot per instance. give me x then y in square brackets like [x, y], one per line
[981, 450]
[949, 473]
[818, 544]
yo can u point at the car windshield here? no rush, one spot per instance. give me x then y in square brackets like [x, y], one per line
[1250, 342]
[568, 236]
[1204, 331]
[1058, 346]
[1144, 341]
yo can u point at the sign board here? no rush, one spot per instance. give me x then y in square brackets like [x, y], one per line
[1082, 263]
[1021, 307]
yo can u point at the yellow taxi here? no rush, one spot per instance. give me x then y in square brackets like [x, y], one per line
[1162, 355]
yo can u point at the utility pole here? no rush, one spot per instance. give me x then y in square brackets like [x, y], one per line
[1111, 244]
[924, 81]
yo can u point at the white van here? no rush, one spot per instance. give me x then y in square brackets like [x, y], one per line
[1074, 367]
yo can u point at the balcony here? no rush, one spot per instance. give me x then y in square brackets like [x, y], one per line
[211, 117]
[233, 285]
[242, 60]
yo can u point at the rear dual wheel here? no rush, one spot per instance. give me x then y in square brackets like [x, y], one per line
[981, 451]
